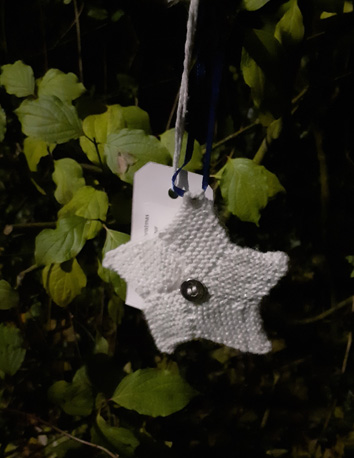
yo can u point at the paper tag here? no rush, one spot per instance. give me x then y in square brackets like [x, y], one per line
[153, 209]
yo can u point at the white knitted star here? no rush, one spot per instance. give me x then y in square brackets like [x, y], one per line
[232, 281]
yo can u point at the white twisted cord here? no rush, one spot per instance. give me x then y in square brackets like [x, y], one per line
[183, 92]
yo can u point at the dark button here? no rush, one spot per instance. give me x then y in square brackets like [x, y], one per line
[194, 291]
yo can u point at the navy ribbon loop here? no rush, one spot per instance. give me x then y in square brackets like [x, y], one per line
[195, 102]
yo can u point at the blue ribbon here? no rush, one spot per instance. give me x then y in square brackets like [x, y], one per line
[216, 78]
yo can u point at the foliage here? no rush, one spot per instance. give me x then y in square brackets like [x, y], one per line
[83, 105]
[168, 392]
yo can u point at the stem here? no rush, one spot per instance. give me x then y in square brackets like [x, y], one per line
[78, 39]
[91, 168]
[349, 345]
[98, 153]
[297, 99]
[334, 402]
[325, 314]
[258, 157]
[63, 35]
[173, 110]
[36, 419]
[22, 274]
[234, 135]
[10, 227]
[97, 150]
[321, 157]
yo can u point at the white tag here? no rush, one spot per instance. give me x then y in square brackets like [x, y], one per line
[153, 208]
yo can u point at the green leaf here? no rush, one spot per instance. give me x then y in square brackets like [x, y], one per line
[117, 15]
[254, 77]
[153, 392]
[49, 119]
[274, 130]
[247, 187]
[136, 118]
[290, 29]
[74, 398]
[2, 124]
[68, 177]
[18, 79]
[97, 128]
[121, 439]
[129, 150]
[65, 86]
[266, 50]
[101, 345]
[34, 149]
[116, 309]
[54, 246]
[88, 203]
[253, 5]
[11, 352]
[168, 140]
[99, 14]
[262, 65]
[63, 282]
[8, 297]
[113, 240]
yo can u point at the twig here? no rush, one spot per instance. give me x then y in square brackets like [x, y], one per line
[58, 430]
[63, 35]
[11, 227]
[78, 39]
[326, 313]
[234, 135]
[321, 157]
[297, 98]
[334, 402]
[22, 274]
[96, 149]
[349, 345]
[172, 112]
[98, 152]
[91, 168]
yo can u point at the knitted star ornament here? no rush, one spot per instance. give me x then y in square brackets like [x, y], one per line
[197, 284]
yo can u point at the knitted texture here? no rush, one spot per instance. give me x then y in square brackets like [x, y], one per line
[195, 246]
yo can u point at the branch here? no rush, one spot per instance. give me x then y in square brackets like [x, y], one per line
[78, 39]
[91, 168]
[323, 170]
[349, 345]
[234, 135]
[328, 312]
[335, 400]
[10, 227]
[22, 274]
[172, 112]
[36, 419]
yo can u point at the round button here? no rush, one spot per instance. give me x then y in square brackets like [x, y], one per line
[194, 291]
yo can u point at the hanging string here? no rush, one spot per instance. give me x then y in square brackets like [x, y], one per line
[183, 92]
[214, 48]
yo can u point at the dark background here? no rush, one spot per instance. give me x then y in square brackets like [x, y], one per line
[299, 400]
